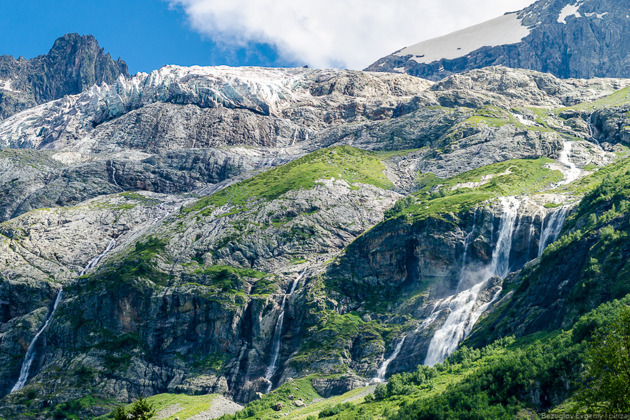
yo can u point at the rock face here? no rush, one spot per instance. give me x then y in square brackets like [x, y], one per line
[563, 37]
[73, 64]
[229, 230]
[189, 129]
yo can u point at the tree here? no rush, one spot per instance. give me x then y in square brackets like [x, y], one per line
[140, 410]
[120, 414]
[607, 371]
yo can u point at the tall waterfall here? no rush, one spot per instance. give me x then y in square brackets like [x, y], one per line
[274, 362]
[550, 232]
[30, 352]
[500, 265]
[464, 310]
[382, 371]
[467, 241]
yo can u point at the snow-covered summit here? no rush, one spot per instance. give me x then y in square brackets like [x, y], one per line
[507, 29]
[567, 38]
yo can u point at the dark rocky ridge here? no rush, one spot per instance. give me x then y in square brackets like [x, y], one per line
[591, 45]
[73, 64]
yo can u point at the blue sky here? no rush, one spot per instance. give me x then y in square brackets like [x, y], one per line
[147, 34]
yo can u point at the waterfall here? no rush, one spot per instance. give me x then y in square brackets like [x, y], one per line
[94, 261]
[30, 353]
[573, 173]
[591, 131]
[111, 165]
[467, 241]
[380, 373]
[275, 348]
[464, 310]
[274, 362]
[500, 265]
[549, 233]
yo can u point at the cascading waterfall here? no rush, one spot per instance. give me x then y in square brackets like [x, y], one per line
[277, 336]
[111, 165]
[574, 172]
[30, 352]
[94, 261]
[382, 371]
[500, 265]
[550, 233]
[463, 307]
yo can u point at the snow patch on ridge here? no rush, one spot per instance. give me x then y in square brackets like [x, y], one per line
[6, 85]
[504, 30]
[569, 10]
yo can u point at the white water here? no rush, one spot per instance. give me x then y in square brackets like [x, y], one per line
[467, 241]
[382, 371]
[549, 233]
[277, 336]
[574, 172]
[30, 353]
[591, 130]
[94, 261]
[500, 265]
[111, 165]
[463, 308]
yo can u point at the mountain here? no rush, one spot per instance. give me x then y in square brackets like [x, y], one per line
[299, 241]
[567, 38]
[73, 64]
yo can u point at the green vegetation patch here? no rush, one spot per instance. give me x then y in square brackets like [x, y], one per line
[183, 406]
[137, 264]
[342, 162]
[618, 98]
[500, 380]
[140, 263]
[233, 279]
[279, 402]
[464, 191]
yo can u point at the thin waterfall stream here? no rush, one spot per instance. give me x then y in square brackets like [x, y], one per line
[30, 352]
[274, 362]
[382, 370]
[551, 231]
[591, 129]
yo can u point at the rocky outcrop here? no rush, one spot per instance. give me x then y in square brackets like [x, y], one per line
[205, 243]
[183, 130]
[581, 39]
[74, 63]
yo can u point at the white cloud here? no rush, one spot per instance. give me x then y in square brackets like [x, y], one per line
[337, 33]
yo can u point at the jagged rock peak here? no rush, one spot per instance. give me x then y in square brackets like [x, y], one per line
[567, 38]
[73, 64]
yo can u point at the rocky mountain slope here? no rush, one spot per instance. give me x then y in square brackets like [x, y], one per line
[236, 231]
[73, 64]
[567, 38]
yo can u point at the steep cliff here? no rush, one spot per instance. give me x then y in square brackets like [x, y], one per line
[216, 230]
[74, 63]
